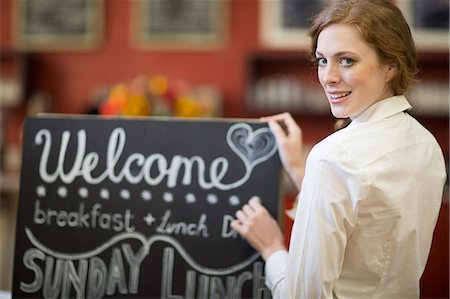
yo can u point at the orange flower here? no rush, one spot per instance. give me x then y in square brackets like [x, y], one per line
[137, 105]
[158, 85]
[187, 106]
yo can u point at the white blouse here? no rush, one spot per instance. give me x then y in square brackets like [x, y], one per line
[367, 211]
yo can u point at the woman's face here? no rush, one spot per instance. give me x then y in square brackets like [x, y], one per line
[350, 72]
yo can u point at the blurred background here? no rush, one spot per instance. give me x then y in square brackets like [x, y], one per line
[190, 58]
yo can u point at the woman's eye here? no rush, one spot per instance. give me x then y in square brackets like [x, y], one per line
[346, 61]
[321, 61]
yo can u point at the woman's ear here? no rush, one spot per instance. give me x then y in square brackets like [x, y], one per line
[391, 71]
[393, 66]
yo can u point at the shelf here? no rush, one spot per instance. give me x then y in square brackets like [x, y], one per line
[287, 81]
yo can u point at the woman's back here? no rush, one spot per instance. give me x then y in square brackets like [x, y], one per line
[378, 213]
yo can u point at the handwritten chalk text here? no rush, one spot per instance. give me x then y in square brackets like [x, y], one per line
[87, 278]
[152, 169]
[183, 228]
[81, 219]
[207, 286]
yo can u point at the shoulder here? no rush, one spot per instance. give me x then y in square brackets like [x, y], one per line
[334, 149]
[363, 153]
[367, 142]
[333, 177]
[336, 156]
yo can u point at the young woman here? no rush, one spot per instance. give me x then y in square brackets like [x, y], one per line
[370, 193]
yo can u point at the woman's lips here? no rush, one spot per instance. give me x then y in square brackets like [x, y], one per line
[336, 98]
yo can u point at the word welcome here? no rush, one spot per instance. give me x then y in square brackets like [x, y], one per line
[152, 169]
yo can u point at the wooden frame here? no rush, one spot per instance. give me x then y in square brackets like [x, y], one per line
[179, 24]
[429, 23]
[283, 23]
[276, 32]
[56, 25]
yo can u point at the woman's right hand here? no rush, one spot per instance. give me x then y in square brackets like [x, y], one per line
[289, 139]
[259, 228]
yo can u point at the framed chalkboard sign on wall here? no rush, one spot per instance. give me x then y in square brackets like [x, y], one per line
[114, 208]
[58, 24]
[179, 24]
[284, 23]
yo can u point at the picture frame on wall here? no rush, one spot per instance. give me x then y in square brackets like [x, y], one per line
[429, 23]
[58, 25]
[179, 24]
[284, 23]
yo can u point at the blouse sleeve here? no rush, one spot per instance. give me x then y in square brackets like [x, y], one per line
[275, 273]
[325, 218]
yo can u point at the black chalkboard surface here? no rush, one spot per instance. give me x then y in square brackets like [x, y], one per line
[140, 208]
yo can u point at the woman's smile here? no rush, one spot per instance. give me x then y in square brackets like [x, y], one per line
[337, 98]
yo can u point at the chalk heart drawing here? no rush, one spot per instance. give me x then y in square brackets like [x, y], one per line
[253, 147]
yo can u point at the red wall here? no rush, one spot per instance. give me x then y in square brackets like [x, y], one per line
[70, 77]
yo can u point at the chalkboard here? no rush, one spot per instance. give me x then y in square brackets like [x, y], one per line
[140, 208]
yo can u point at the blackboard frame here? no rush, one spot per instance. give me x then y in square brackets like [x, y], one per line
[54, 26]
[173, 25]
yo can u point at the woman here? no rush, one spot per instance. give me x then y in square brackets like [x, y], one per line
[371, 192]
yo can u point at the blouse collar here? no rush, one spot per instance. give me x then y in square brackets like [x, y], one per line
[383, 109]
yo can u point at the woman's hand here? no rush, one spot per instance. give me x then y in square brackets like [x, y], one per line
[257, 226]
[290, 143]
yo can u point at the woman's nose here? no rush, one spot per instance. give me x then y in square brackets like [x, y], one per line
[330, 74]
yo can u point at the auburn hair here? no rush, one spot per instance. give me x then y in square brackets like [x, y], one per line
[382, 25]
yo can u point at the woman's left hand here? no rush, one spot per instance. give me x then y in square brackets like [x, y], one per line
[257, 226]
[289, 138]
